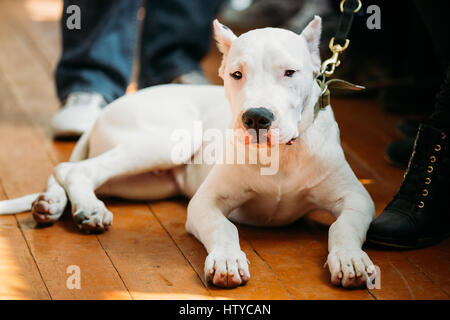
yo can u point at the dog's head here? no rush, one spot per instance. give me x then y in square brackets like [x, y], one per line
[268, 76]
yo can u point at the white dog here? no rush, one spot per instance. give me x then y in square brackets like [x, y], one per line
[269, 81]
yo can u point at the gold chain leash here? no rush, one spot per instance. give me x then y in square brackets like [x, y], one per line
[356, 10]
[329, 65]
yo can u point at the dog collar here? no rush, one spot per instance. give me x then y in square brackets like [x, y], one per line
[325, 86]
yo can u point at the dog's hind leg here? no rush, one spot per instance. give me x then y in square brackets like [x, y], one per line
[141, 187]
[81, 179]
[49, 205]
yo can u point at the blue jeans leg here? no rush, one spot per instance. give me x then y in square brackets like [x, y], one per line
[99, 56]
[175, 37]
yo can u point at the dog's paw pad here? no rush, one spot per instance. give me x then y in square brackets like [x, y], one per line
[227, 269]
[349, 268]
[79, 217]
[93, 221]
[47, 208]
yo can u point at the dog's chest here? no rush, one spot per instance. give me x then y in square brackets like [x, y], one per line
[277, 203]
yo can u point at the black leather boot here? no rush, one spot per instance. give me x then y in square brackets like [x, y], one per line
[419, 214]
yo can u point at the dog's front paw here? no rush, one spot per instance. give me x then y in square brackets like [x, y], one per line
[349, 268]
[227, 268]
[94, 218]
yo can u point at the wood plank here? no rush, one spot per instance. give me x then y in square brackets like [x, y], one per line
[39, 23]
[417, 283]
[297, 258]
[60, 246]
[32, 86]
[365, 134]
[149, 262]
[263, 284]
[19, 275]
[377, 189]
[434, 262]
[24, 165]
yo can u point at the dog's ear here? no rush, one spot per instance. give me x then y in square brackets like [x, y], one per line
[224, 36]
[312, 36]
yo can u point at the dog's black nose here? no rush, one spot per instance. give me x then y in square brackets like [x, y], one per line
[257, 118]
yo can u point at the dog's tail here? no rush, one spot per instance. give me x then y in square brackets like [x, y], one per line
[17, 205]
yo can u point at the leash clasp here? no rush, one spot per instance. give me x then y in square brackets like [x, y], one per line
[329, 65]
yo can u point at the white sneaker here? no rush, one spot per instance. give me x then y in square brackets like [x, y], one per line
[78, 114]
[193, 77]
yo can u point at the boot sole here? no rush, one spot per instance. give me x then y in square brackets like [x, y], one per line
[420, 243]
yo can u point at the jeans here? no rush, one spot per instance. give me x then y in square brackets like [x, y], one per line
[99, 57]
[438, 24]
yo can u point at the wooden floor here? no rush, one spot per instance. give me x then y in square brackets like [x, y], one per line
[147, 254]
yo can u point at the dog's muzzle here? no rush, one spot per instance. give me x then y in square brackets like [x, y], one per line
[257, 122]
[257, 119]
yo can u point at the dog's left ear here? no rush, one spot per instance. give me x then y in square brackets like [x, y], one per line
[312, 36]
[224, 36]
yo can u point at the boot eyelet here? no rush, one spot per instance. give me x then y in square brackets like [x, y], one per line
[427, 180]
[443, 135]
[421, 204]
[425, 192]
[430, 169]
[433, 159]
[437, 148]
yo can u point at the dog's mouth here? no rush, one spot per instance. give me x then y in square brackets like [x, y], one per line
[251, 137]
[291, 142]
[259, 138]
[262, 138]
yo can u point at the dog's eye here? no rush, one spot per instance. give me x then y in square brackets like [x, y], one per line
[289, 73]
[236, 75]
